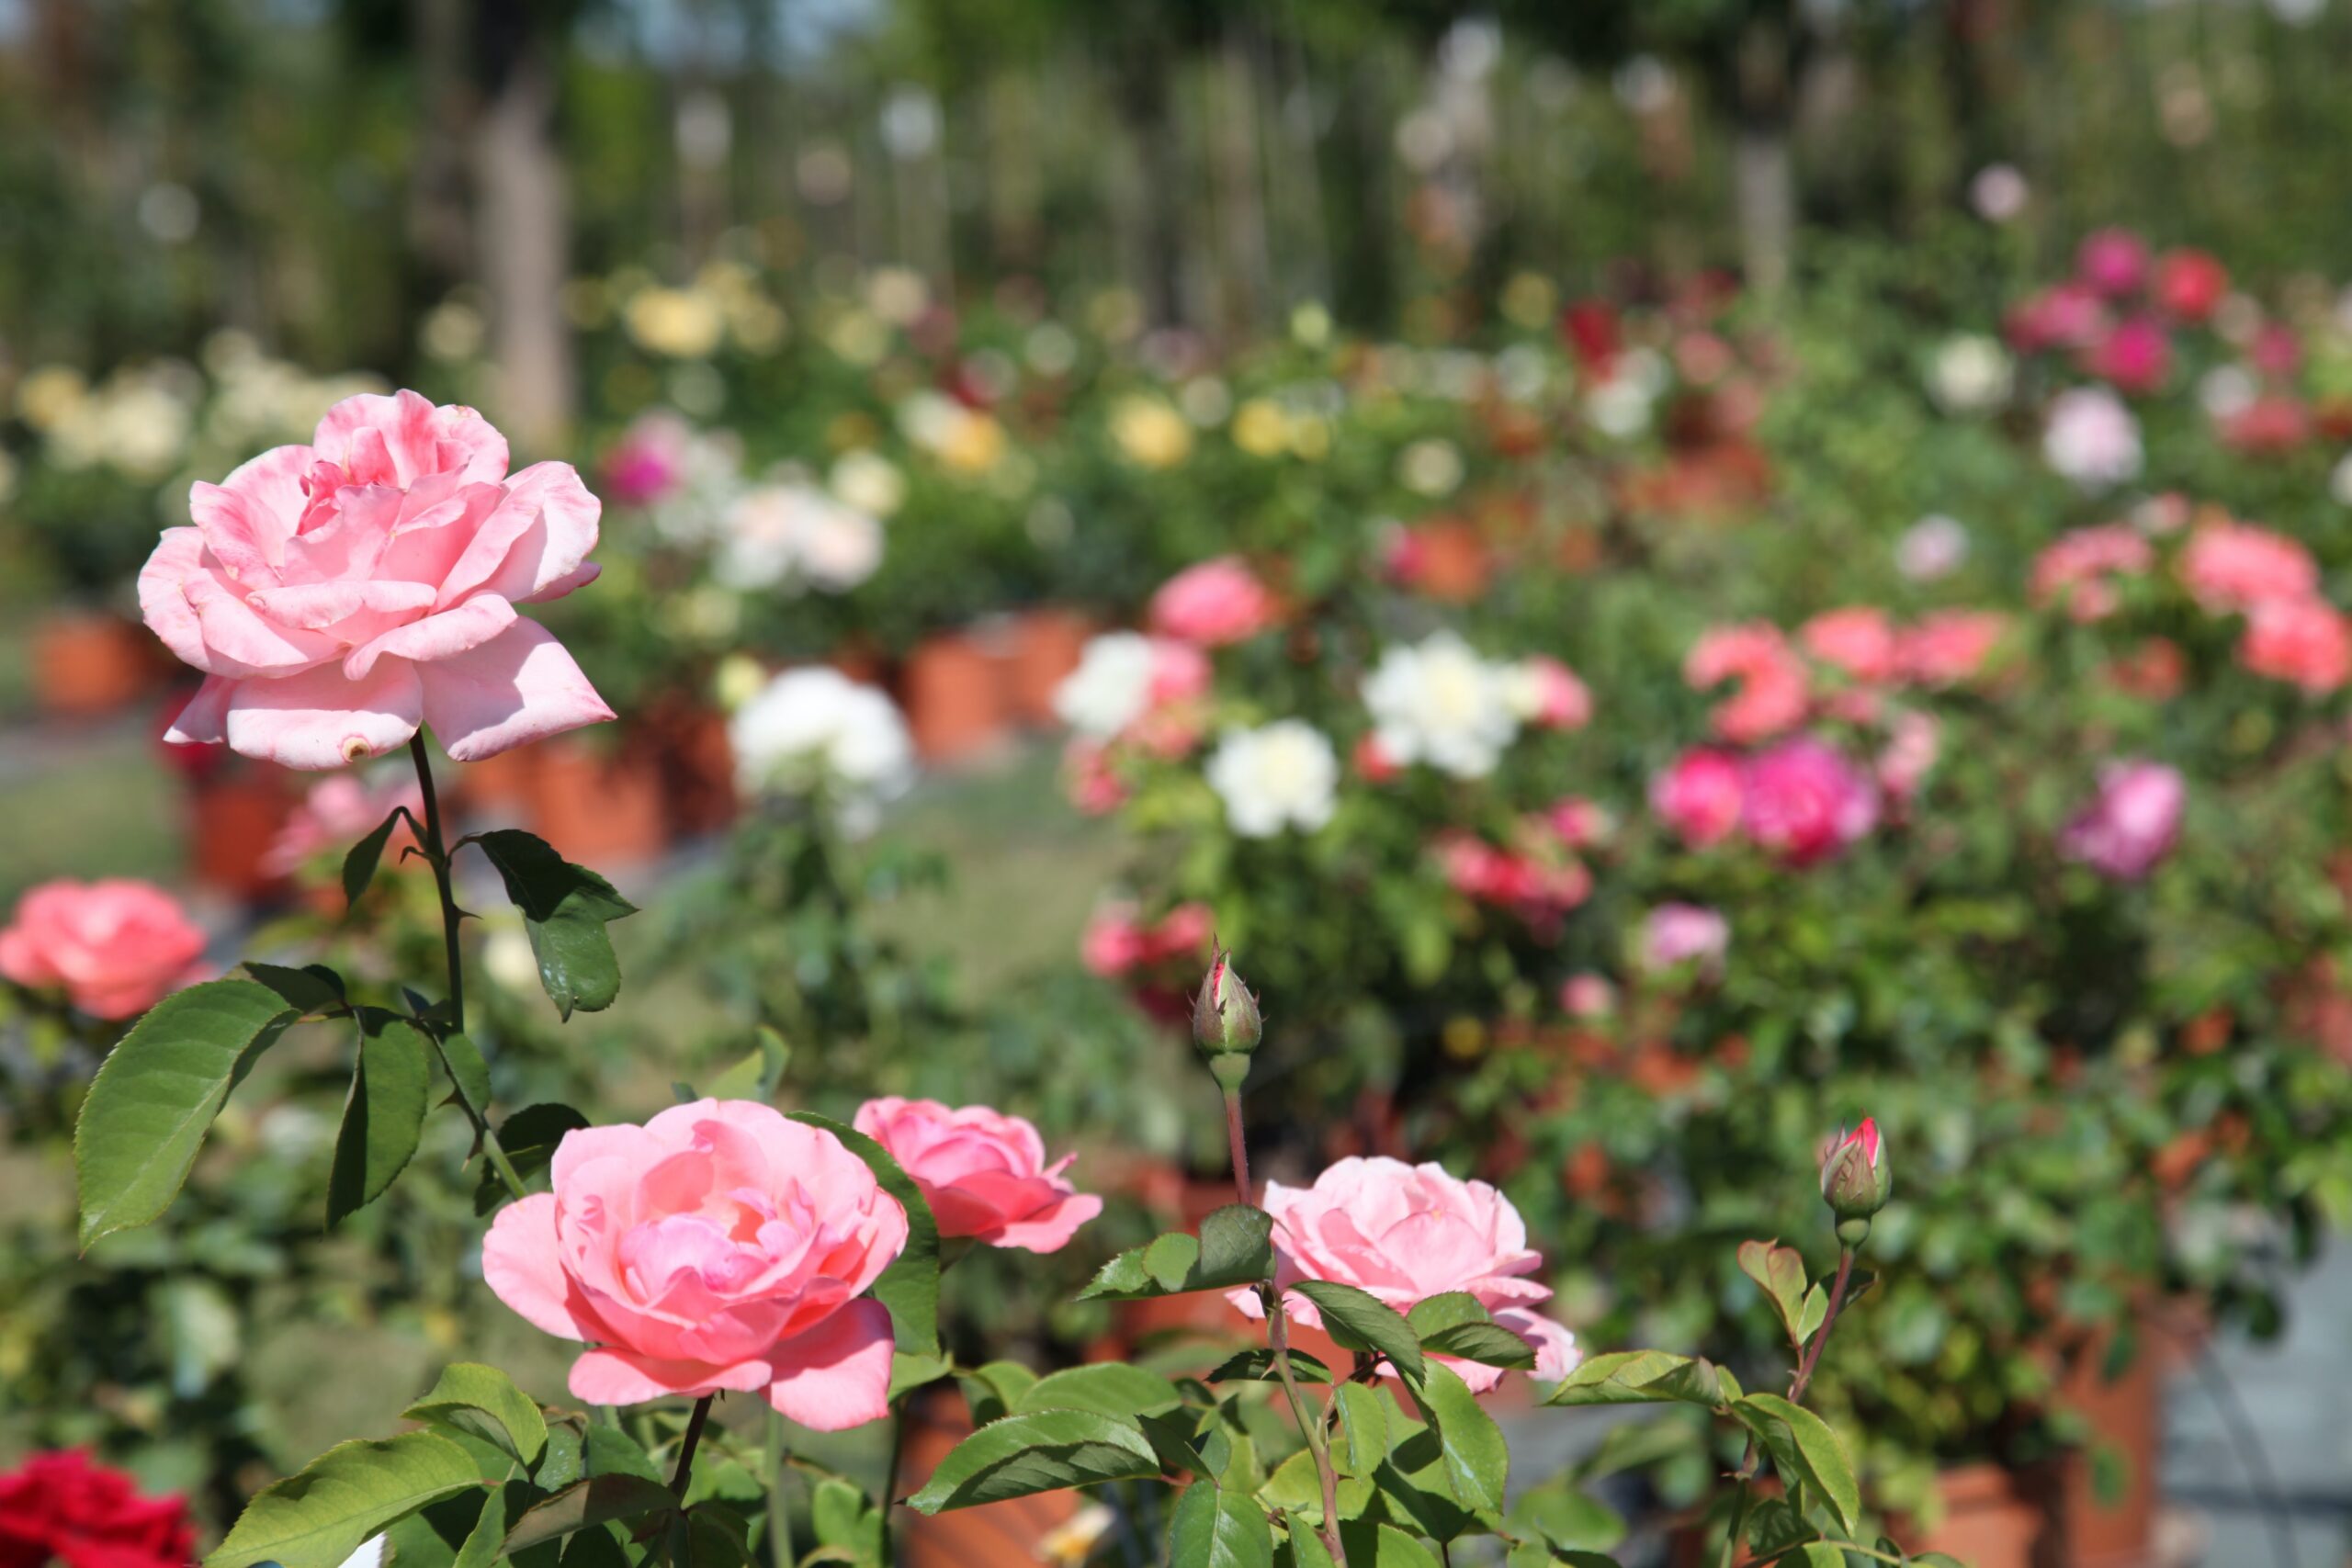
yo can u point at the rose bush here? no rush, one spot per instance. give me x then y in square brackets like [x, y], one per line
[983, 1172]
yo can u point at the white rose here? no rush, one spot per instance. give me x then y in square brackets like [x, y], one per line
[1280, 775]
[1438, 702]
[1970, 374]
[2092, 438]
[1110, 688]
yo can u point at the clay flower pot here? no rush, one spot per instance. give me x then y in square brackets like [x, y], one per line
[994, 1535]
[233, 818]
[597, 810]
[689, 744]
[954, 697]
[1046, 646]
[2125, 1416]
[89, 663]
[1993, 1519]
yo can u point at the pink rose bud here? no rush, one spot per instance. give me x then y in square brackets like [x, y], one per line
[2132, 825]
[1856, 1181]
[113, 948]
[983, 1173]
[1698, 798]
[1226, 1022]
[719, 1247]
[1405, 1232]
[340, 594]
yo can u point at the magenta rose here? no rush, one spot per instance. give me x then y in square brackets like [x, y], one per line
[984, 1173]
[338, 595]
[1405, 1232]
[2132, 824]
[1216, 602]
[114, 947]
[1806, 802]
[1698, 796]
[2114, 261]
[718, 1246]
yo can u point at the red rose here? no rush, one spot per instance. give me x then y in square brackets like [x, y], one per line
[61, 1507]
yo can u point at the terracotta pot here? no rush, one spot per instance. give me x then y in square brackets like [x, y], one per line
[87, 664]
[1046, 646]
[995, 1534]
[1993, 1519]
[696, 764]
[234, 817]
[2124, 1417]
[497, 788]
[599, 811]
[954, 697]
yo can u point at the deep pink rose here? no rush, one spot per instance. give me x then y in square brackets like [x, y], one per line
[1698, 796]
[2189, 284]
[2134, 358]
[1950, 646]
[1685, 933]
[337, 595]
[1858, 640]
[718, 1246]
[2133, 824]
[2235, 566]
[649, 462]
[1405, 1232]
[1769, 677]
[984, 1173]
[2301, 640]
[63, 1508]
[1114, 940]
[114, 947]
[2114, 261]
[1805, 802]
[2080, 569]
[1216, 602]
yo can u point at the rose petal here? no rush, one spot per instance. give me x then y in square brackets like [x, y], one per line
[203, 722]
[1555, 1349]
[620, 1377]
[520, 685]
[164, 602]
[532, 546]
[1050, 1228]
[237, 640]
[271, 485]
[315, 606]
[524, 1268]
[435, 638]
[239, 541]
[319, 720]
[838, 1375]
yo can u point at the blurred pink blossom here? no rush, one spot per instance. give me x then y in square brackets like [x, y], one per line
[2132, 825]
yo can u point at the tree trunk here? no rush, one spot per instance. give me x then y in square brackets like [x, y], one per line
[521, 220]
[1763, 173]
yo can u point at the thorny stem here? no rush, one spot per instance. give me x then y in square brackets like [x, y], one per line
[686, 1470]
[1278, 1341]
[437, 854]
[1812, 1358]
[1807, 1360]
[890, 1477]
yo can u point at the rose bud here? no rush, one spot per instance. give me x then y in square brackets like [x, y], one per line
[1225, 1021]
[1856, 1181]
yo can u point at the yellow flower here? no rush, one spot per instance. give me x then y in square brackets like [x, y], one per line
[1261, 428]
[1151, 432]
[1529, 299]
[681, 324]
[975, 444]
[50, 394]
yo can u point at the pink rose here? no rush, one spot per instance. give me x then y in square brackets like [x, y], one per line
[1769, 676]
[115, 947]
[1114, 940]
[2135, 358]
[1091, 781]
[1913, 742]
[1698, 796]
[2133, 824]
[1950, 646]
[335, 814]
[2067, 315]
[983, 1173]
[1580, 823]
[649, 462]
[2301, 640]
[2114, 261]
[1216, 602]
[1685, 933]
[1405, 1232]
[718, 1246]
[2275, 351]
[2272, 422]
[1858, 640]
[2080, 569]
[1805, 802]
[2189, 284]
[1555, 698]
[1588, 996]
[2235, 566]
[339, 595]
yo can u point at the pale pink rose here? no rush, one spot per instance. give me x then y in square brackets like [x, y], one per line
[1858, 640]
[649, 462]
[2080, 569]
[1950, 646]
[1556, 699]
[718, 1246]
[983, 1173]
[2301, 640]
[2275, 351]
[1372, 763]
[1699, 795]
[2133, 824]
[1685, 933]
[1587, 996]
[1180, 674]
[338, 595]
[2067, 315]
[2235, 566]
[1216, 602]
[1769, 676]
[114, 947]
[1805, 802]
[1913, 742]
[1092, 783]
[1580, 823]
[1403, 1234]
[337, 814]
[2114, 261]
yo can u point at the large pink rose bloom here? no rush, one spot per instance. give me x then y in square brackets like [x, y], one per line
[114, 948]
[1405, 1232]
[718, 1246]
[984, 1173]
[339, 595]
[1805, 802]
[1216, 602]
[2236, 566]
[1699, 795]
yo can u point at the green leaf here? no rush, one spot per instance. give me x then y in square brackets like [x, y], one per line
[1235, 1247]
[608, 1450]
[383, 1115]
[757, 1075]
[314, 989]
[1212, 1528]
[565, 908]
[487, 1539]
[1569, 1519]
[157, 1092]
[908, 1373]
[1369, 1545]
[1805, 1451]
[844, 1518]
[596, 1500]
[910, 1287]
[1488, 1344]
[360, 863]
[319, 1516]
[991, 1391]
[468, 1074]
[1477, 1459]
[1041, 1452]
[1640, 1377]
[1360, 1321]
[1448, 1309]
[1780, 1271]
[1820, 1554]
[484, 1402]
[1363, 1446]
[1111, 1388]
[1257, 1365]
[1936, 1560]
[1811, 1316]
[529, 1138]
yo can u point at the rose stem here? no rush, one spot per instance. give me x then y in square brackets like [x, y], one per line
[686, 1450]
[780, 1516]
